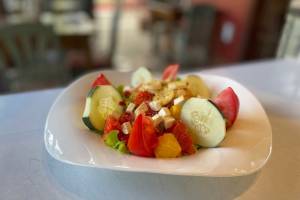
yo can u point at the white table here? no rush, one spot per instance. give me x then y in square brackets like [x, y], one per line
[28, 172]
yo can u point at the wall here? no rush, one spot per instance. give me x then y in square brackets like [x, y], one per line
[240, 13]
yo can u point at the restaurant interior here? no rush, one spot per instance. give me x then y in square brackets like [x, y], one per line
[49, 43]
[149, 99]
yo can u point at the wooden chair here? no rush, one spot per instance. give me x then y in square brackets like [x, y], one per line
[30, 57]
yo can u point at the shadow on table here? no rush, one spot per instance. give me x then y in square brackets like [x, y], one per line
[92, 183]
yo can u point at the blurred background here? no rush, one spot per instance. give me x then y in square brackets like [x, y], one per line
[48, 43]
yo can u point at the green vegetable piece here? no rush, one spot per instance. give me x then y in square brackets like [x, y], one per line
[120, 89]
[112, 138]
[113, 141]
[122, 147]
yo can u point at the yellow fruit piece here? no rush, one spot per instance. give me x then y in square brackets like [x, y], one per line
[183, 92]
[197, 86]
[175, 111]
[164, 96]
[168, 147]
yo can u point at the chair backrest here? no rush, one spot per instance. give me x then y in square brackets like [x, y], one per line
[27, 44]
[33, 52]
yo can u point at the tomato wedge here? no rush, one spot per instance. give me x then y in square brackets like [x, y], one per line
[228, 103]
[143, 138]
[101, 80]
[183, 137]
[111, 123]
[170, 72]
[142, 97]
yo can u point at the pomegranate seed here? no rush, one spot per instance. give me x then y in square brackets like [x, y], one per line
[169, 105]
[122, 103]
[127, 93]
[123, 137]
[160, 129]
[126, 117]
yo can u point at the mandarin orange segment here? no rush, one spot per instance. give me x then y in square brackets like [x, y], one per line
[168, 147]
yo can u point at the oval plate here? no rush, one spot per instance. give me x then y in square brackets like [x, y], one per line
[245, 149]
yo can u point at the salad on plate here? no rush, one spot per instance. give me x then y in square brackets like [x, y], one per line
[162, 118]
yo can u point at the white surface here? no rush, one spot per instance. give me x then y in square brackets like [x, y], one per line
[245, 149]
[28, 172]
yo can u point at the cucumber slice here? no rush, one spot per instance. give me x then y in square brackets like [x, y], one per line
[141, 75]
[101, 102]
[204, 121]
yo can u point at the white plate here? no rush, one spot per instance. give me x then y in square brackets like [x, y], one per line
[245, 149]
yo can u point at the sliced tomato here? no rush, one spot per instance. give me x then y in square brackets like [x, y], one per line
[170, 72]
[111, 123]
[143, 138]
[149, 135]
[183, 137]
[228, 103]
[142, 97]
[101, 80]
[135, 145]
